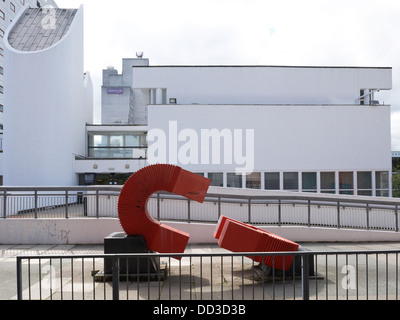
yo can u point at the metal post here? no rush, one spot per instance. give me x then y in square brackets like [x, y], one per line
[338, 215]
[367, 216]
[36, 204]
[249, 212]
[158, 206]
[115, 277]
[309, 213]
[19, 278]
[97, 203]
[305, 283]
[397, 218]
[4, 204]
[279, 212]
[219, 207]
[66, 204]
[188, 202]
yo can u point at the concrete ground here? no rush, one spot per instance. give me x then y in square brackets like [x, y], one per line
[204, 278]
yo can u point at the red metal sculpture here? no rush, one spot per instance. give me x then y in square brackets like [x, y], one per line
[132, 204]
[240, 237]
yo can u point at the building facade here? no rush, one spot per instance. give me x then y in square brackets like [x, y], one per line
[308, 129]
[9, 9]
[48, 118]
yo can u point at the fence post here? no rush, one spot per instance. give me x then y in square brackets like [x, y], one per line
[279, 212]
[367, 208]
[338, 215]
[115, 277]
[4, 204]
[188, 202]
[19, 278]
[97, 203]
[397, 218]
[36, 204]
[66, 204]
[219, 207]
[249, 211]
[305, 281]
[158, 206]
[309, 213]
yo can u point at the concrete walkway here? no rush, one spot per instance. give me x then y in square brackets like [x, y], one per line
[231, 278]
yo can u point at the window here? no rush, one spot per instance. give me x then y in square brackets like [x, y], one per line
[253, 180]
[1, 108]
[1, 70]
[382, 183]
[364, 183]
[272, 181]
[309, 181]
[291, 181]
[116, 145]
[346, 182]
[217, 179]
[328, 184]
[362, 100]
[1, 89]
[2, 33]
[2, 15]
[12, 7]
[233, 180]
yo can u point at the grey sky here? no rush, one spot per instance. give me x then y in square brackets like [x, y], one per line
[245, 32]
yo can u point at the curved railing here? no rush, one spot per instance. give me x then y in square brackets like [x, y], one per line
[279, 208]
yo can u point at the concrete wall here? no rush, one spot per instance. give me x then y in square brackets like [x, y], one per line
[262, 84]
[286, 138]
[93, 231]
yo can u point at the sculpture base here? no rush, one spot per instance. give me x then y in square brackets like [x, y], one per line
[131, 269]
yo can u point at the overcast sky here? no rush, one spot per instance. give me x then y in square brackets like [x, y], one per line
[245, 32]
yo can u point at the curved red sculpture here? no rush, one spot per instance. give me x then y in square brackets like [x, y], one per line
[132, 204]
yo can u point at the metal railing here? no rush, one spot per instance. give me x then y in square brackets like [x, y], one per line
[340, 275]
[292, 209]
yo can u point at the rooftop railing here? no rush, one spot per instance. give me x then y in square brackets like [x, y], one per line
[275, 209]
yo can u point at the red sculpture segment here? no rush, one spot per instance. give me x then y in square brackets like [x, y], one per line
[132, 204]
[237, 236]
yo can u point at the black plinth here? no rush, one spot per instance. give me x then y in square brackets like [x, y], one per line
[119, 242]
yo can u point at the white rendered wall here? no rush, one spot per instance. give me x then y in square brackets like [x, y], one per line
[262, 84]
[286, 138]
[46, 111]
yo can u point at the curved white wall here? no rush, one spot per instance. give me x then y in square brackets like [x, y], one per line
[46, 111]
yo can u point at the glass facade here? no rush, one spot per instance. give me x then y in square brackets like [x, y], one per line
[364, 183]
[253, 180]
[233, 180]
[382, 183]
[272, 180]
[291, 181]
[346, 184]
[117, 145]
[217, 179]
[309, 181]
[328, 184]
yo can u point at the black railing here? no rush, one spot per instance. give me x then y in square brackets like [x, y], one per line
[342, 275]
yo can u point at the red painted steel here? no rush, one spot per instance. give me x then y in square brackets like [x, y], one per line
[237, 236]
[132, 204]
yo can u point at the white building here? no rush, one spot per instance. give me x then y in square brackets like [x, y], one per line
[43, 52]
[9, 9]
[314, 129]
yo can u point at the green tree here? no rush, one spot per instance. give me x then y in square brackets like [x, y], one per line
[396, 184]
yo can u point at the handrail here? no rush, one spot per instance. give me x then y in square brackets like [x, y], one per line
[67, 196]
